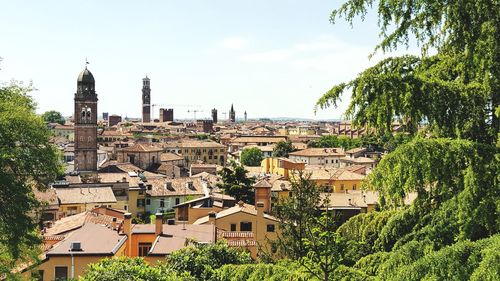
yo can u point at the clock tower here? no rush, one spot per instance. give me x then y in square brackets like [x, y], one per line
[85, 118]
[146, 100]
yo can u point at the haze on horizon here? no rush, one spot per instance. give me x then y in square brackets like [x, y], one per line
[270, 58]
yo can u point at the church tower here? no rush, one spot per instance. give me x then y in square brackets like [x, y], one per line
[146, 100]
[232, 115]
[85, 118]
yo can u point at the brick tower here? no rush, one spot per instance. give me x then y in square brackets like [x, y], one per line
[85, 123]
[146, 100]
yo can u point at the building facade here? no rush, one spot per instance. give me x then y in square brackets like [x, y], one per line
[85, 123]
[214, 115]
[166, 114]
[146, 100]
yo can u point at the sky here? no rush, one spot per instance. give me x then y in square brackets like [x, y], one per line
[269, 58]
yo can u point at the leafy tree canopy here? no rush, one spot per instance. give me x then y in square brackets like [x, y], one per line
[282, 149]
[251, 157]
[236, 183]
[202, 260]
[27, 161]
[125, 269]
[462, 80]
[53, 116]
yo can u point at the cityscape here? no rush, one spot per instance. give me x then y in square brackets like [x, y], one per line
[387, 171]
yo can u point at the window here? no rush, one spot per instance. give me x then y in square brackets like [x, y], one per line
[245, 226]
[140, 202]
[342, 186]
[270, 228]
[162, 203]
[37, 275]
[144, 249]
[148, 201]
[177, 201]
[353, 187]
[233, 227]
[61, 272]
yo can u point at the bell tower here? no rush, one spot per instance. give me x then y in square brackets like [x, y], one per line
[146, 100]
[85, 118]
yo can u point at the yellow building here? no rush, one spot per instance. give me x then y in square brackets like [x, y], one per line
[335, 180]
[297, 131]
[71, 257]
[65, 131]
[280, 166]
[208, 152]
[244, 226]
[75, 200]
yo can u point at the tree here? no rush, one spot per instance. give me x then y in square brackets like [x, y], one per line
[296, 214]
[53, 116]
[251, 157]
[124, 269]
[463, 79]
[27, 161]
[282, 149]
[235, 183]
[202, 260]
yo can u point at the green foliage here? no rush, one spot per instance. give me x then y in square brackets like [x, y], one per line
[202, 260]
[282, 149]
[325, 248]
[464, 260]
[236, 183]
[27, 161]
[125, 269]
[385, 142]
[296, 214]
[251, 157]
[413, 90]
[53, 116]
[284, 270]
[440, 170]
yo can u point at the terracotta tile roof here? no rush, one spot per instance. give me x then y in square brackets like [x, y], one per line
[263, 183]
[318, 152]
[193, 144]
[168, 156]
[138, 147]
[334, 174]
[359, 160]
[245, 208]
[258, 139]
[73, 222]
[85, 195]
[178, 186]
[174, 237]
[95, 239]
[281, 185]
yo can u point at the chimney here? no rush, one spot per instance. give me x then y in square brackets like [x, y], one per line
[127, 224]
[127, 228]
[211, 217]
[159, 224]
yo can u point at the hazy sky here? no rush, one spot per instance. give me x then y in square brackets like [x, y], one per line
[270, 58]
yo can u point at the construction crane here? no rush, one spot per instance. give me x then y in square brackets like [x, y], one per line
[194, 112]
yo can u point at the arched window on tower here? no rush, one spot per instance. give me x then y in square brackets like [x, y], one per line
[83, 114]
[89, 112]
